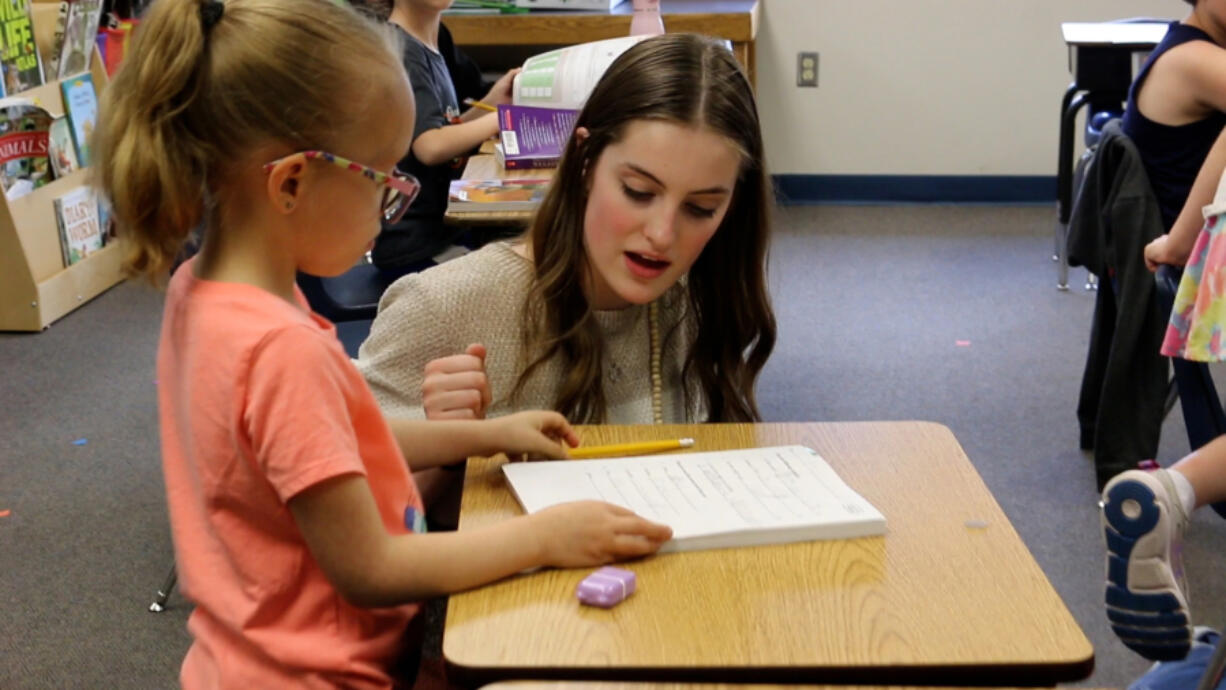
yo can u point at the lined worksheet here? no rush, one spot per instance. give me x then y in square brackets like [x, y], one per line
[711, 500]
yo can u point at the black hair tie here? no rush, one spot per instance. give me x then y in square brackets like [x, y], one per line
[210, 13]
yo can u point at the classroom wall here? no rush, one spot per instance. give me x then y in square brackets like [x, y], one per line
[922, 87]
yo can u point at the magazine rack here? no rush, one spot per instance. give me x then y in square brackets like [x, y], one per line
[35, 286]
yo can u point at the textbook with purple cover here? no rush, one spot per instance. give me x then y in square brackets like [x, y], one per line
[532, 137]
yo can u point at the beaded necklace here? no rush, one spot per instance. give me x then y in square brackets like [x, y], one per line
[657, 387]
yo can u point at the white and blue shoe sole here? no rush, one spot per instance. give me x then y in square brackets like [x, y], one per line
[1152, 621]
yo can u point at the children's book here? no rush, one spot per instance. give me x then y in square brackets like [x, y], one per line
[19, 58]
[565, 77]
[51, 49]
[80, 30]
[60, 149]
[716, 500]
[24, 163]
[106, 226]
[81, 107]
[496, 195]
[531, 137]
[76, 214]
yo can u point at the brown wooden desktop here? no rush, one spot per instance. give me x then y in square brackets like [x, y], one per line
[613, 685]
[949, 596]
[735, 20]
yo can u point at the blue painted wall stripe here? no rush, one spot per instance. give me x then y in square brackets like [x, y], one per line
[815, 189]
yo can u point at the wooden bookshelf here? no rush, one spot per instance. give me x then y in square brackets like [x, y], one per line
[35, 286]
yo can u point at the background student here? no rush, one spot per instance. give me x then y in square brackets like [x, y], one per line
[1176, 109]
[445, 132]
[1146, 513]
[296, 523]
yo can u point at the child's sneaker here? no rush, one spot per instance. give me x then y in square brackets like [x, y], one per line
[1147, 601]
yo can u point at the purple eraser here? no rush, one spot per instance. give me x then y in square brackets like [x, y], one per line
[606, 587]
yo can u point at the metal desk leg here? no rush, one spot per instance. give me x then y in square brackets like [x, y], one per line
[1063, 158]
[159, 604]
[1071, 103]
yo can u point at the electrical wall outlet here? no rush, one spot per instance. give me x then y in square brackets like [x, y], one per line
[806, 69]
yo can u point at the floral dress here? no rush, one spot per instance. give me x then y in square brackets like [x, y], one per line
[1199, 313]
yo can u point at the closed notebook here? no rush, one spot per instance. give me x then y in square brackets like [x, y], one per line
[715, 500]
[496, 195]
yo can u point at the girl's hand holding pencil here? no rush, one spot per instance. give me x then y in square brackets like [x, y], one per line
[536, 433]
[481, 105]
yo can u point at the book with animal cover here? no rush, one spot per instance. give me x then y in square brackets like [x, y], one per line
[496, 195]
[80, 32]
[24, 163]
[19, 58]
[60, 149]
[531, 137]
[76, 214]
[565, 77]
[714, 500]
[81, 108]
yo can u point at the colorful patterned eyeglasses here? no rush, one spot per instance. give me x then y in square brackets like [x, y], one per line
[399, 188]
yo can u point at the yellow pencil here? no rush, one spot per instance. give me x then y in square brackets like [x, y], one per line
[618, 449]
[478, 104]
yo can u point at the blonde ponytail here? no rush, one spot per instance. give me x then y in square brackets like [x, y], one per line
[190, 101]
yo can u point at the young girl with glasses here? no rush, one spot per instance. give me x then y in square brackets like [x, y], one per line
[296, 523]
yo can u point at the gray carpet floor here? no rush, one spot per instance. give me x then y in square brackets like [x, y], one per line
[871, 304]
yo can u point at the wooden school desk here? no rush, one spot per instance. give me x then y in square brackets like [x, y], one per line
[599, 685]
[735, 20]
[484, 166]
[949, 596]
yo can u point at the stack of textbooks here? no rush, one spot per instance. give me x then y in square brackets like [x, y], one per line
[532, 137]
[496, 195]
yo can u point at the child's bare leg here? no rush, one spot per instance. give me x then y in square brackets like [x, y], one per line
[1205, 470]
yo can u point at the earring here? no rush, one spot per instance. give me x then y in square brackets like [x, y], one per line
[289, 205]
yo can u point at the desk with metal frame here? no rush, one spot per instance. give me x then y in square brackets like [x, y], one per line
[1101, 59]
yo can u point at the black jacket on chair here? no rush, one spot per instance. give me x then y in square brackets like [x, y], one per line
[1124, 385]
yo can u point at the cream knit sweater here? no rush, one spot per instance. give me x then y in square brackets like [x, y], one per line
[479, 298]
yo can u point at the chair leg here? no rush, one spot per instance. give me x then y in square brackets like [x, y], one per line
[1072, 102]
[159, 604]
[1215, 668]
[1172, 394]
[1060, 256]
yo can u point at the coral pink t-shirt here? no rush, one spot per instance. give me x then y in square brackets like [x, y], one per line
[259, 402]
